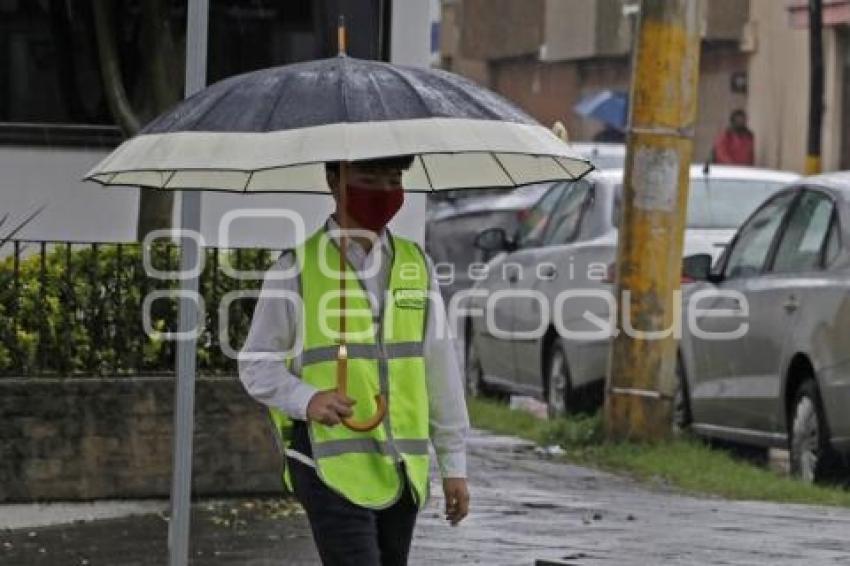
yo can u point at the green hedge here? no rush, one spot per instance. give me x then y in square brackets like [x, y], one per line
[78, 310]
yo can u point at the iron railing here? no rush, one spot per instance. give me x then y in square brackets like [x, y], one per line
[75, 308]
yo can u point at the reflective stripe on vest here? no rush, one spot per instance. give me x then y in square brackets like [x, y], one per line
[385, 356]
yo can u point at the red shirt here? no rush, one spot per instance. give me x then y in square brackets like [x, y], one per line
[734, 148]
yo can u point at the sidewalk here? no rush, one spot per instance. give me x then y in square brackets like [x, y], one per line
[249, 532]
[523, 509]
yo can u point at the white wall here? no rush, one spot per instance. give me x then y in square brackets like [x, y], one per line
[410, 38]
[88, 212]
[778, 102]
[35, 176]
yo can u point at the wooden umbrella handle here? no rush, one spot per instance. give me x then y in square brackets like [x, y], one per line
[342, 388]
[342, 353]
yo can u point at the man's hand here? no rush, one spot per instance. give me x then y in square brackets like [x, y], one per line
[457, 499]
[329, 407]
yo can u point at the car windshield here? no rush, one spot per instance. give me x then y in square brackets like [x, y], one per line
[719, 204]
[533, 222]
[716, 204]
[608, 161]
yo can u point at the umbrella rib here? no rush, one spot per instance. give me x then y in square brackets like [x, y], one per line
[211, 107]
[342, 91]
[427, 174]
[406, 80]
[248, 181]
[379, 97]
[277, 100]
[504, 169]
[168, 180]
[561, 165]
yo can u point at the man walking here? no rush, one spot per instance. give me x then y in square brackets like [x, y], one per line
[361, 490]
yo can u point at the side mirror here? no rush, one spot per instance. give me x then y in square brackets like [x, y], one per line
[493, 240]
[696, 268]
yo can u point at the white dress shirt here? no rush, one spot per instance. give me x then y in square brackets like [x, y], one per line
[276, 325]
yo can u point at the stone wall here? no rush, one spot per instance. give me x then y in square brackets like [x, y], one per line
[111, 438]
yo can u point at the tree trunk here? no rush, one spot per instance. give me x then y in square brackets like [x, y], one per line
[110, 69]
[155, 207]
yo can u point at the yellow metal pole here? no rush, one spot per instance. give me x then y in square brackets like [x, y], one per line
[816, 86]
[641, 386]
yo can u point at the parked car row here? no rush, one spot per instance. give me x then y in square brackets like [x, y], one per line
[777, 241]
[786, 381]
[456, 217]
[569, 241]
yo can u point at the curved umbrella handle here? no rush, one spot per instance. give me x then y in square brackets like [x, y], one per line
[342, 387]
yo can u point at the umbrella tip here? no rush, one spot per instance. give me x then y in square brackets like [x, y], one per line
[341, 36]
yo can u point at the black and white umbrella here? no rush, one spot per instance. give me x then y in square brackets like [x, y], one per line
[272, 130]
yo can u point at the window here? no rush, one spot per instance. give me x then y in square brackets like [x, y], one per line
[48, 61]
[726, 203]
[750, 249]
[833, 243]
[719, 204]
[804, 236]
[566, 220]
[51, 87]
[533, 224]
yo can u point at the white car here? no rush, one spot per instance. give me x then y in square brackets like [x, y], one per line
[603, 155]
[569, 241]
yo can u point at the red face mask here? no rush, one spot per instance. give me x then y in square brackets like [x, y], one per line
[373, 208]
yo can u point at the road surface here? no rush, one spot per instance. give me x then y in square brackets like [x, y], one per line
[524, 509]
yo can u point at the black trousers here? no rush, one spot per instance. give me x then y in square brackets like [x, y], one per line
[347, 534]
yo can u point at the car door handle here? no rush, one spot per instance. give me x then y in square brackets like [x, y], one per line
[791, 304]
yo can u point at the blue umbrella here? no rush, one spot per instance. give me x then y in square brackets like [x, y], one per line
[608, 106]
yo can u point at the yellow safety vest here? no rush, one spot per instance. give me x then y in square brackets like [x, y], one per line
[384, 355]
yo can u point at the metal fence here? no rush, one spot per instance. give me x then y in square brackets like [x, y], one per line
[75, 308]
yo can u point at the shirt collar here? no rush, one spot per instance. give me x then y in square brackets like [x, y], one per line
[383, 237]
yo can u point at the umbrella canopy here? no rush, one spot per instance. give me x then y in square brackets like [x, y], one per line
[608, 106]
[272, 130]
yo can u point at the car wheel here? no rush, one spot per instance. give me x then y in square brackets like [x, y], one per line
[558, 384]
[682, 417]
[808, 438]
[474, 372]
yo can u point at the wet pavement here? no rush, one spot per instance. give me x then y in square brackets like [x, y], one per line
[524, 509]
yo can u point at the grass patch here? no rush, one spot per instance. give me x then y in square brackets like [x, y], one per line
[687, 463]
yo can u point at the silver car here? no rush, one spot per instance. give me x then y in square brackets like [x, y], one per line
[452, 225]
[786, 381]
[568, 242]
[456, 217]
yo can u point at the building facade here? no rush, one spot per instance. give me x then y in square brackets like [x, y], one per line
[777, 41]
[548, 54]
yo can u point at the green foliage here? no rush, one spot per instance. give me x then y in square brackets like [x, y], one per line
[685, 463]
[77, 310]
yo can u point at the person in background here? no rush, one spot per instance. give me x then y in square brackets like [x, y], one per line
[736, 144]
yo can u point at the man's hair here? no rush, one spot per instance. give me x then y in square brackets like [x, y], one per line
[402, 162]
[737, 113]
